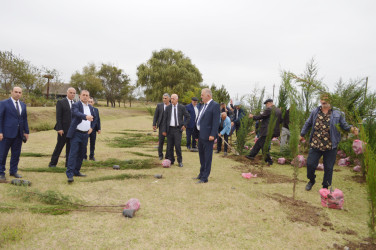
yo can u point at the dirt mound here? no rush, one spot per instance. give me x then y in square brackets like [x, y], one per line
[367, 243]
[301, 211]
[269, 177]
[357, 178]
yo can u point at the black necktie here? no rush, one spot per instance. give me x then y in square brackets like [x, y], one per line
[176, 119]
[18, 108]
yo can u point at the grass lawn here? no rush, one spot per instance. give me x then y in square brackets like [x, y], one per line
[229, 212]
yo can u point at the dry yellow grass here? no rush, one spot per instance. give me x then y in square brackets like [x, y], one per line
[228, 212]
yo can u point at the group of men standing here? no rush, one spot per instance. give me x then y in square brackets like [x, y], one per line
[75, 123]
[201, 123]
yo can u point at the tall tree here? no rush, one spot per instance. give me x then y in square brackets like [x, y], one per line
[114, 82]
[88, 80]
[221, 94]
[167, 71]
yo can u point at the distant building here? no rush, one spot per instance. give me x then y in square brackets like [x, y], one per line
[57, 90]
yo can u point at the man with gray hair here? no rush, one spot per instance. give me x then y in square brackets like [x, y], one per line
[157, 121]
[174, 123]
[63, 121]
[208, 124]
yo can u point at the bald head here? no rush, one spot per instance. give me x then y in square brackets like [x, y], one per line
[71, 93]
[223, 115]
[16, 93]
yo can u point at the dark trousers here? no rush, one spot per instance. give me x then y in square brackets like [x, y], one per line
[161, 140]
[76, 154]
[14, 144]
[92, 138]
[191, 138]
[260, 145]
[61, 142]
[174, 140]
[205, 151]
[219, 143]
[329, 158]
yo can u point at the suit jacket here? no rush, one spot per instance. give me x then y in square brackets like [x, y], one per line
[63, 115]
[77, 117]
[97, 120]
[158, 115]
[240, 116]
[192, 122]
[11, 123]
[265, 117]
[183, 117]
[209, 122]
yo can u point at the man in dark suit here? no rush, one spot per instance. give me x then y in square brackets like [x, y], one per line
[265, 116]
[13, 129]
[81, 127]
[157, 121]
[63, 120]
[193, 111]
[96, 128]
[175, 120]
[238, 115]
[207, 124]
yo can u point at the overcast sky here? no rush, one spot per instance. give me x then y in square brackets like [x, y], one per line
[236, 43]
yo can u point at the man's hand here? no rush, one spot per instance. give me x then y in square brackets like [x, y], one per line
[89, 118]
[154, 128]
[99, 131]
[1, 136]
[90, 131]
[232, 124]
[60, 132]
[250, 116]
[164, 134]
[182, 128]
[211, 138]
[302, 138]
[26, 136]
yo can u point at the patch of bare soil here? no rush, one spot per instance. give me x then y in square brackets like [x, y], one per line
[367, 243]
[300, 211]
[357, 178]
[265, 174]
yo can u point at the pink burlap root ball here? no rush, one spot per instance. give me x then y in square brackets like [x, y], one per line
[132, 204]
[166, 163]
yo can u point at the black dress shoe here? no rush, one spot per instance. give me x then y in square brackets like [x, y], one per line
[249, 157]
[70, 180]
[80, 174]
[269, 163]
[16, 175]
[2, 178]
[180, 164]
[217, 152]
[309, 186]
[160, 157]
[92, 158]
[51, 166]
[201, 181]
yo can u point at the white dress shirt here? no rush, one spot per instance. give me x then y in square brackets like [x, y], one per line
[85, 125]
[196, 110]
[19, 105]
[172, 122]
[202, 112]
[70, 102]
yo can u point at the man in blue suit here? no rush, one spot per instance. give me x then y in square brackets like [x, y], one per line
[81, 127]
[193, 111]
[207, 124]
[13, 129]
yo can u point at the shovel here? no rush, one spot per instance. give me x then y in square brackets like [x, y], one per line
[231, 148]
